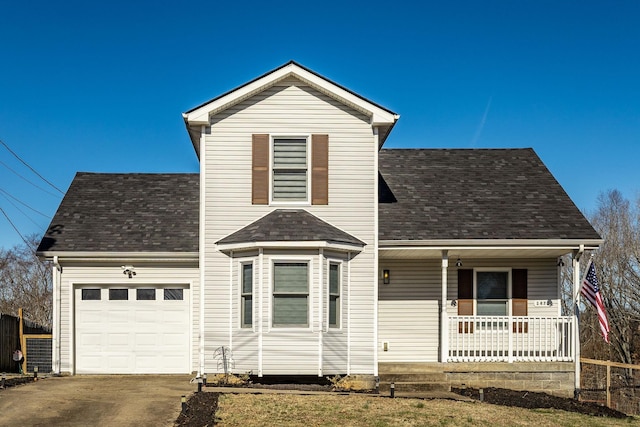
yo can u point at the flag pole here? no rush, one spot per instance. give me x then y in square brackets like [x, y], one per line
[577, 254]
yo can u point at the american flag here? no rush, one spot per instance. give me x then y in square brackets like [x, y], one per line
[591, 291]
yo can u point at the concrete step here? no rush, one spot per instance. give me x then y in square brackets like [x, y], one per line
[409, 368]
[413, 386]
[432, 377]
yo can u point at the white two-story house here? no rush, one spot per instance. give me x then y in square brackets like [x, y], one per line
[303, 247]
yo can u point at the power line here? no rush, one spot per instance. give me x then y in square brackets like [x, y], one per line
[35, 185]
[32, 169]
[17, 231]
[23, 213]
[24, 204]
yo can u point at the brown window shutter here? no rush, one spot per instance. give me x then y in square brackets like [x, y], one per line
[465, 299]
[260, 170]
[320, 169]
[519, 301]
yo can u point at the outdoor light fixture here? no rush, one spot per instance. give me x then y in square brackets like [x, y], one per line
[128, 270]
[386, 277]
[458, 263]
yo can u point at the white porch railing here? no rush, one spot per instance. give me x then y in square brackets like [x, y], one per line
[510, 339]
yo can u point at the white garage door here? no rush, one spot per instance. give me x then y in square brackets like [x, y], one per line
[121, 330]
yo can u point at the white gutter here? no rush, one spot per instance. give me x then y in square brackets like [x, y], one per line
[499, 243]
[140, 256]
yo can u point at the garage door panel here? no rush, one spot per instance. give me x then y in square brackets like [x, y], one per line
[132, 336]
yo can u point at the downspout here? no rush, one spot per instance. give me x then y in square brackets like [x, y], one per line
[320, 310]
[376, 147]
[577, 254]
[201, 252]
[56, 276]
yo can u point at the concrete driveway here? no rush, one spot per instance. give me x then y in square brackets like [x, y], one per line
[96, 400]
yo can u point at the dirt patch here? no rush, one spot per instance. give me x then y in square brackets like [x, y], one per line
[533, 400]
[12, 382]
[200, 411]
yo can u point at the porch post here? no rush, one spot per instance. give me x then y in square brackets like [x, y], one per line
[444, 320]
[577, 254]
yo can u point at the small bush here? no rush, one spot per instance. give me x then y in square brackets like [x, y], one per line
[352, 383]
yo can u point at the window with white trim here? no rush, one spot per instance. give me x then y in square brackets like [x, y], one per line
[246, 296]
[334, 295]
[290, 294]
[290, 170]
[492, 293]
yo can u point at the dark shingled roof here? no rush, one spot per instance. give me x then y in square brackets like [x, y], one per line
[290, 225]
[447, 194]
[127, 213]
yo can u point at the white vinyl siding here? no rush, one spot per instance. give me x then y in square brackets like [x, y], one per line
[289, 109]
[290, 170]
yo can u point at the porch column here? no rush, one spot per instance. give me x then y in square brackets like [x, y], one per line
[577, 254]
[444, 320]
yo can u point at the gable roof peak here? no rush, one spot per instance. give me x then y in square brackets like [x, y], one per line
[200, 115]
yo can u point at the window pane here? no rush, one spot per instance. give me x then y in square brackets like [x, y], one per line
[333, 311]
[492, 308]
[290, 153]
[118, 294]
[290, 277]
[290, 310]
[334, 278]
[247, 311]
[247, 278]
[492, 285]
[290, 185]
[145, 294]
[91, 294]
[172, 294]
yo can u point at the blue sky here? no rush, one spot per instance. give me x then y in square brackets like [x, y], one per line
[100, 86]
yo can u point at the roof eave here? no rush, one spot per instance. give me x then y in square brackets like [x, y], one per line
[113, 256]
[315, 244]
[588, 244]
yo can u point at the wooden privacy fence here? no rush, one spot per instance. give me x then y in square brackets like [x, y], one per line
[608, 387]
[17, 333]
[9, 342]
[35, 342]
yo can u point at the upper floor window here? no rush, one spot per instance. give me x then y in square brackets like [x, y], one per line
[289, 173]
[290, 169]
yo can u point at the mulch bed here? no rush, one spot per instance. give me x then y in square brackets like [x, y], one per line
[533, 400]
[200, 412]
[12, 382]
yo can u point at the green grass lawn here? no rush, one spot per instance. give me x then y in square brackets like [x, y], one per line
[360, 410]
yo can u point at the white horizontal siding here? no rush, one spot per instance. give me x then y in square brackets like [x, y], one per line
[288, 109]
[408, 319]
[111, 274]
